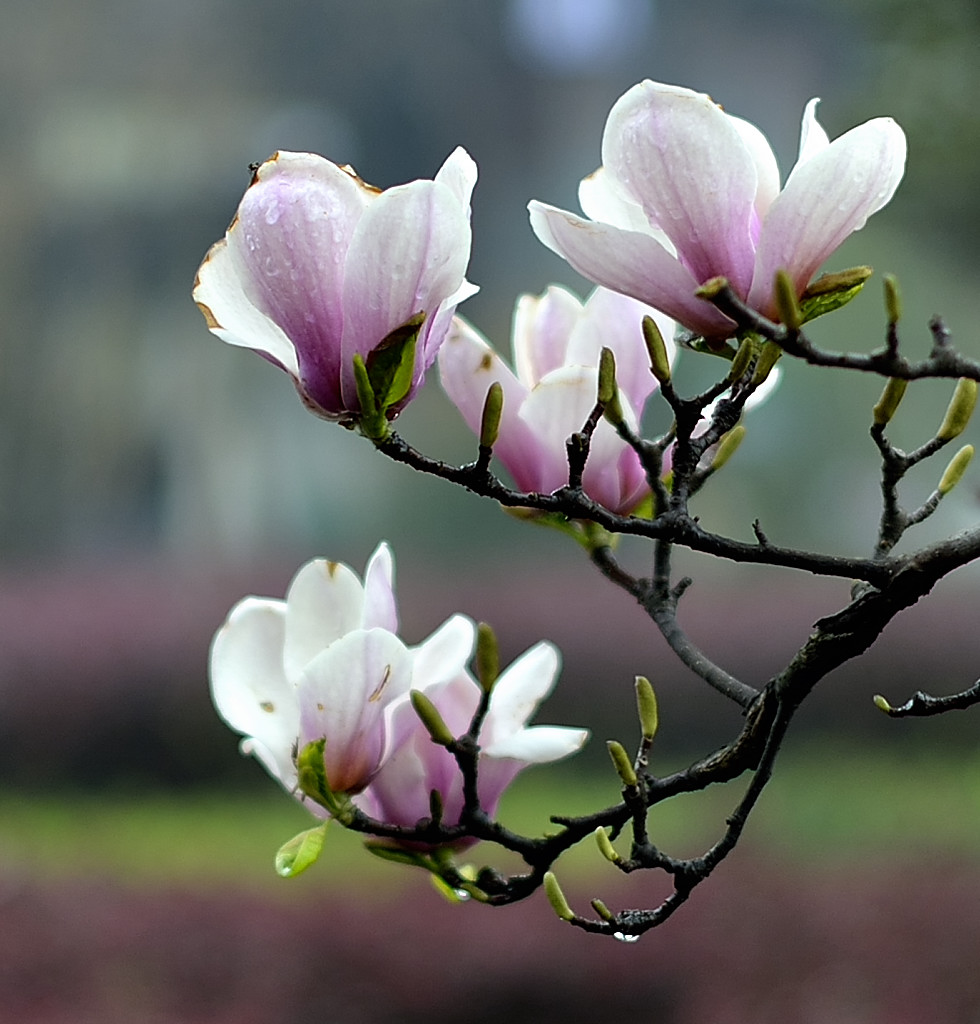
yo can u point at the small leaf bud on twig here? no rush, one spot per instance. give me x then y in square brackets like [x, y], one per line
[768, 357]
[646, 706]
[784, 292]
[712, 288]
[742, 359]
[888, 404]
[727, 446]
[623, 765]
[656, 349]
[487, 657]
[606, 847]
[608, 394]
[602, 910]
[881, 704]
[490, 422]
[557, 898]
[431, 719]
[959, 410]
[953, 473]
[893, 300]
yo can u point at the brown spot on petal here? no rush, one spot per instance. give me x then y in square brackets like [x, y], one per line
[267, 705]
[379, 689]
[209, 317]
[373, 189]
[332, 568]
[486, 363]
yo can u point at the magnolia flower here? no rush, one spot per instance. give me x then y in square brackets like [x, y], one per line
[317, 266]
[326, 663]
[400, 792]
[556, 344]
[687, 193]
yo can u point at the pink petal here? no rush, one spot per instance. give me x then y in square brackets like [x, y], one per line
[684, 161]
[467, 368]
[541, 328]
[379, 595]
[630, 262]
[408, 255]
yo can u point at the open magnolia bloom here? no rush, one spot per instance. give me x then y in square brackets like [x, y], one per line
[318, 266]
[687, 193]
[326, 663]
[556, 342]
[400, 792]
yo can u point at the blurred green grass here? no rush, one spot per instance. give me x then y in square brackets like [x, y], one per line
[824, 807]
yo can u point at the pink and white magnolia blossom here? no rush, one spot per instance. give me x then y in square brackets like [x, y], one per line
[556, 341]
[687, 192]
[317, 266]
[326, 663]
[399, 793]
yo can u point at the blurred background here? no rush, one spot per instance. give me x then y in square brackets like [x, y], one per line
[151, 476]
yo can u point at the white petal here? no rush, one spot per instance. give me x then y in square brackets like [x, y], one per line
[813, 138]
[324, 601]
[232, 316]
[630, 262]
[602, 199]
[518, 691]
[765, 163]
[459, 174]
[445, 654]
[248, 684]
[826, 198]
[540, 744]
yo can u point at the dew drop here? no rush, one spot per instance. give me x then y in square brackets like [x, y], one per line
[623, 937]
[462, 895]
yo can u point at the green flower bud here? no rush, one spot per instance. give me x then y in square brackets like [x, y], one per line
[959, 410]
[742, 359]
[646, 706]
[881, 704]
[606, 847]
[431, 719]
[623, 764]
[492, 408]
[557, 898]
[602, 910]
[889, 401]
[768, 357]
[727, 446]
[656, 349]
[893, 300]
[955, 470]
[487, 656]
[784, 292]
[608, 394]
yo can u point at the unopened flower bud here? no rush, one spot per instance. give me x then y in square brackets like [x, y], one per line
[602, 910]
[606, 847]
[646, 706]
[768, 357]
[431, 719]
[623, 764]
[487, 656]
[893, 299]
[492, 408]
[959, 410]
[557, 898]
[656, 349]
[742, 359]
[889, 401]
[881, 704]
[955, 470]
[784, 293]
[608, 393]
[727, 446]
